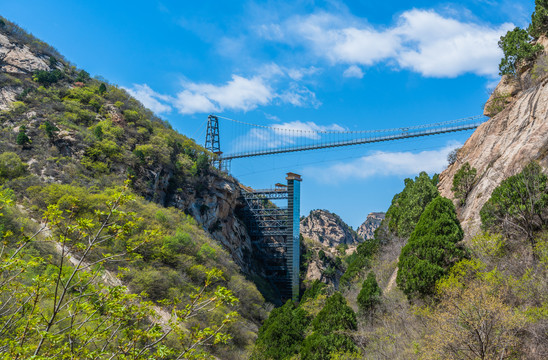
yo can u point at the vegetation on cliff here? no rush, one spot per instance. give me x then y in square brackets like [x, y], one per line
[70, 143]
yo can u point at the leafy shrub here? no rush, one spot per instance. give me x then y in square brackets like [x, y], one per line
[370, 294]
[431, 249]
[11, 166]
[47, 78]
[463, 181]
[518, 204]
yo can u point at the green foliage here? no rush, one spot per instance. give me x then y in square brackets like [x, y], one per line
[102, 88]
[407, 206]
[517, 47]
[370, 294]
[322, 347]
[431, 249]
[463, 181]
[83, 76]
[360, 260]
[57, 302]
[11, 166]
[539, 19]
[22, 138]
[329, 327]
[321, 255]
[336, 315]
[282, 333]
[518, 205]
[50, 129]
[316, 288]
[47, 78]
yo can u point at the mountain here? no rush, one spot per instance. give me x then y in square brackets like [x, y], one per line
[371, 223]
[328, 229]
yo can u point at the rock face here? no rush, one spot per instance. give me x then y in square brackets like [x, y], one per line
[500, 148]
[328, 229]
[373, 221]
[214, 209]
[15, 58]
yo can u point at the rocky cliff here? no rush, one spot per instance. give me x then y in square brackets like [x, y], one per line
[500, 148]
[328, 229]
[371, 223]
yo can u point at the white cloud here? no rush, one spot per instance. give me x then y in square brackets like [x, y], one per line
[237, 94]
[442, 47]
[381, 163]
[280, 135]
[149, 98]
[421, 40]
[299, 129]
[353, 71]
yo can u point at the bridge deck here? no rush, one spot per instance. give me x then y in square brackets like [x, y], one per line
[372, 139]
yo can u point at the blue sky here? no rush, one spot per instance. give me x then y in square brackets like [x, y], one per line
[349, 64]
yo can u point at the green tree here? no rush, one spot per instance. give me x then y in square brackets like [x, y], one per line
[50, 129]
[102, 88]
[431, 249]
[539, 19]
[330, 330]
[518, 205]
[83, 76]
[282, 333]
[517, 47]
[370, 294]
[47, 78]
[463, 181]
[11, 166]
[22, 138]
[407, 206]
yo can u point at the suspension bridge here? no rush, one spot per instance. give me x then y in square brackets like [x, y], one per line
[274, 230]
[251, 140]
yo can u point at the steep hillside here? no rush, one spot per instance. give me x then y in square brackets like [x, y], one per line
[371, 223]
[501, 147]
[69, 142]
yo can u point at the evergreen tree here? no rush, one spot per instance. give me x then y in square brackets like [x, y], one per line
[518, 205]
[407, 206]
[22, 138]
[282, 333]
[102, 88]
[330, 326]
[370, 294]
[431, 249]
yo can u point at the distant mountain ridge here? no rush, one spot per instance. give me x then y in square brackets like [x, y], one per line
[373, 221]
[328, 229]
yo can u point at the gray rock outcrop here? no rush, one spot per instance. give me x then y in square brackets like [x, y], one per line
[373, 221]
[328, 229]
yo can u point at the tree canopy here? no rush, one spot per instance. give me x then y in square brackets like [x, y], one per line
[431, 249]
